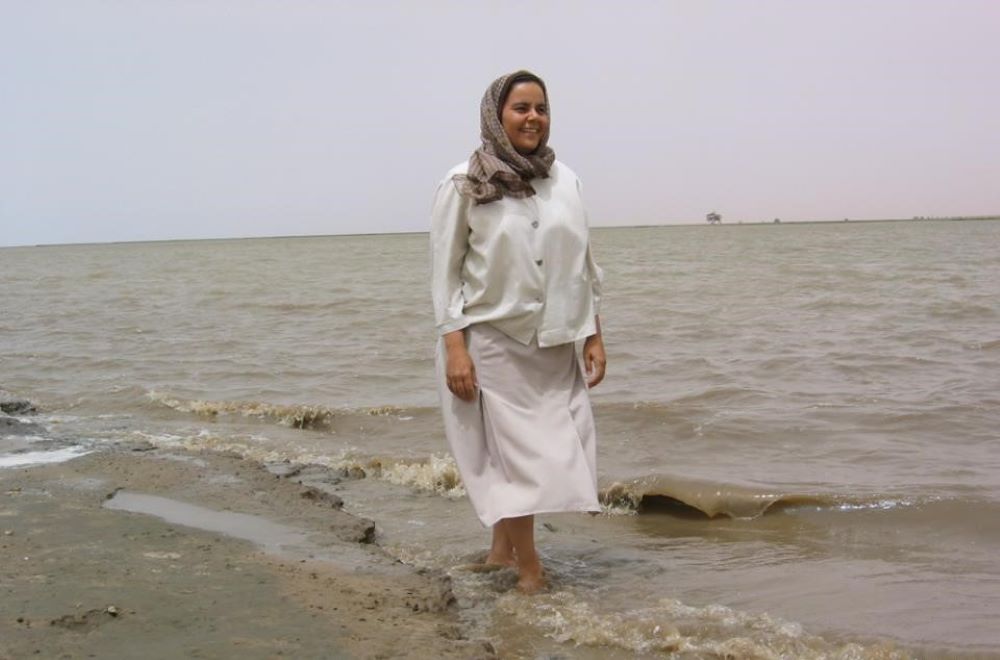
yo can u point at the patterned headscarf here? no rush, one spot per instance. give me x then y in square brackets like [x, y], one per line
[496, 168]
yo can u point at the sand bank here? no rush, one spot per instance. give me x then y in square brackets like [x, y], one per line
[166, 554]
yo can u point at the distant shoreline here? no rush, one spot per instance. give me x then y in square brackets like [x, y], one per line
[978, 218]
[770, 223]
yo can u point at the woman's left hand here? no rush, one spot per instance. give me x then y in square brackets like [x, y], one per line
[594, 359]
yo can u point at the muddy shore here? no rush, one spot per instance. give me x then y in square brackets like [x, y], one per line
[142, 551]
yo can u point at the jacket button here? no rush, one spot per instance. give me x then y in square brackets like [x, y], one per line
[534, 223]
[538, 262]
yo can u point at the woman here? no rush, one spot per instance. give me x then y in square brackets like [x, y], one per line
[514, 287]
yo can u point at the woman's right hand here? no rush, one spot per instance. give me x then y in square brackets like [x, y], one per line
[459, 369]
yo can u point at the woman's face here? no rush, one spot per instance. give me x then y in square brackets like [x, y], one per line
[525, 116]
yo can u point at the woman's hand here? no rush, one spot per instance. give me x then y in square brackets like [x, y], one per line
[594, 359]
[460, 372]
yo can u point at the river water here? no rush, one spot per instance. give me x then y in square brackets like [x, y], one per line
[798, 435]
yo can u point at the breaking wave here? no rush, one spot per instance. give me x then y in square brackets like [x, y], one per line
[650, 494]
[298, 416]
[695, 498]
[438, 474]
[433, 474]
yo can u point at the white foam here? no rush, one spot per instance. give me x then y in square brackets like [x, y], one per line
[883, 505]
[671, 626]
[25, 438]
[41, 457]
[436, 474]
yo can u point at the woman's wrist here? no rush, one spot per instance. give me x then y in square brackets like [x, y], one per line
[455, 340]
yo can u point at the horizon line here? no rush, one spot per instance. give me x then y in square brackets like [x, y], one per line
[740, 223]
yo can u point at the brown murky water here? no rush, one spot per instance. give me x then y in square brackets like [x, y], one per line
[798, 436]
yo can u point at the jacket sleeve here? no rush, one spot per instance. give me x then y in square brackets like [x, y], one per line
[596, 279]
[594, 272]
[449, 244]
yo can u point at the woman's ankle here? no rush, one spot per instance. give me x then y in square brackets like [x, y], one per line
[531, 564]
[530, 577]
[500, 558]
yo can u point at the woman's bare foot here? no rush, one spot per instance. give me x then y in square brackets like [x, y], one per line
[531, 578]
[501, 550]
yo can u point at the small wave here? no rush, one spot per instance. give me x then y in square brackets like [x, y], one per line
[300, 416]
[673, 627]
[693, 498]
[284, 306]
[961, 310]
[839, 304]
[434, 474]
[438, 474]
[714, 395]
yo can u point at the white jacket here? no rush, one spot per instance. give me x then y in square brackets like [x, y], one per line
[522, 265]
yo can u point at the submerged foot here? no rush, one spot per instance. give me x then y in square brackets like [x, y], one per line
[531, 578]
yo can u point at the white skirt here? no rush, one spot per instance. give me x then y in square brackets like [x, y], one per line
[526, 444]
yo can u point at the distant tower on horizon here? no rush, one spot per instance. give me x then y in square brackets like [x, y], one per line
[713, 218]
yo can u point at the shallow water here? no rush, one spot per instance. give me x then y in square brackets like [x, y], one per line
[828, 394]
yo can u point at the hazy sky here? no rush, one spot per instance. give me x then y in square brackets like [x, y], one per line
[150, 119]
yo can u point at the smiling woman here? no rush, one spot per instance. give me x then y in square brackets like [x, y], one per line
[525, 116]
[514, 287]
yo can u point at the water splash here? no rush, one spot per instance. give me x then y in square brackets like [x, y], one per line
[673, 627]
